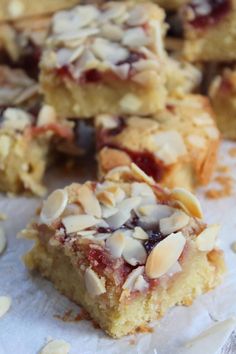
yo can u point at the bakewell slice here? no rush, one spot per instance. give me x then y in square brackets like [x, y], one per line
[210, 30]
[106, 58]
[222, 93]
[177, 147]
[125, 249]
[26, 139]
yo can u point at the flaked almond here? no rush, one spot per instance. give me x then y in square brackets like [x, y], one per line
[54, 206]
[16, 118]
[72, 209]
[119, 173]
[130, 103]
[16, 8]
[206, 240]
[89, 201]
[137, 16]
[75, 223]
[132, 277]
[144, 191]
[164, 255]
[106, 121]
[139, 233]
[56, 346]
[3, 240]
[116, 243]
[170, 146]
[134, 253]
[112, 32]
[85, 233]
[135, 37]
[106, 198]
[176, 268]
[113, 11]
[140, 284]
[47, 115]
[156, 211]
[109, 51]
[140, 175]
[108, 211]
[124, 209]
[5, 304]
[94, 285]
[173, 223]
[188, 200]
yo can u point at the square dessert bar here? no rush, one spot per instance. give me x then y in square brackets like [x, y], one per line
[13, 9]
[210, 30]
[125, 249]
[222, 93]
[25, 143]
[107, 58]
[176, 147]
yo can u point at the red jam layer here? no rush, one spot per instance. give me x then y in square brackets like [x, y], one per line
[217, 10]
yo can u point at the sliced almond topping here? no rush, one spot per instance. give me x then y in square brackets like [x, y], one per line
[54, 206]
[5, 304]
[3, 240]
[206, 240]
[137, 16]
[16, 8]
[176, 268]
[190, 202]
[156, 211]
[86, 233]
[125, 207]
[57, 346]
[139, 233]
[144, 191]
[116, 243]
[164, 255]
[106, 121]
[140, 175]
[132, 277]
[109, 51]
[135, 37]
[94, 285]
[170, 145]
[106, 198]
[119, 173]
[112, 32]
[174, 222]
[130, 103]
[47, 115]
[75, 223]
[134, 253]
[16, 118]
[108, 211]
[140, 284]
[89, 201]
[72, 209]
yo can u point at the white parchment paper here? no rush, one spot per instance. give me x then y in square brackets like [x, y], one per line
[31, 320]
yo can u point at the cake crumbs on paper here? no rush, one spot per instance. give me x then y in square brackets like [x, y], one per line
[133, 341]
[144, 329]
[69, 316]
[233, 246]
[225, 190]
[232, 152]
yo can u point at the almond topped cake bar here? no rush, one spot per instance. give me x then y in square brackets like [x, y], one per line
[25, 142]
[106, 58]
[125, 249]
[177, 147]
[210, 30]
[222, 93]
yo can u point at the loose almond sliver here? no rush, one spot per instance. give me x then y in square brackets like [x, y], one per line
[89, 201]
[207, 238]
[174, 223]
[125, 207]
[190, 202]
[140, 175]
[75, 223]
[116, 243]
[3, 241]
[56, 347]
[106, 198]
[94, 285]
[5, 304]
[139, 233]
[134, 253]
[132, 277]
[54, 206]
[164, 255]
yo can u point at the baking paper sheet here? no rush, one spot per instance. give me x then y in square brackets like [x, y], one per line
[31, 321]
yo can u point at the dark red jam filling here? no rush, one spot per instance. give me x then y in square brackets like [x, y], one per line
[218, 9]
[132, 58]
[226, 86]
[121, 124]
[154, 237]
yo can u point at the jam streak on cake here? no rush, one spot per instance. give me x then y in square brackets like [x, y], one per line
[209, 12]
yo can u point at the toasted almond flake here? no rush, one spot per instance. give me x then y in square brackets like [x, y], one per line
[140, 175]
[176, 268]
[3, 240]
[109, 51]
[135, 37]
[130, 103]
[106, 121]
[137, 16]
[139, 233]
[102, 236]
[164, 255]
[132, 277]
[54, 206]
[134, 253]
[16, 118]
[47, 115]
[5, 304]
[112, 32]
[119, 173]
[108, 211]
[86, 233]
[144, 191]
[206, 240]
[72, 209]
[173, 223]
[16, 8]
[94, 285]
[75, 223]
[125, 207]
[116, 243]
[89, 201]
[106, 198]
[76, 54]
[190, 202]
[170, 145]
[114, 11]
[57, 346]
[140, 284]
[156, 211]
